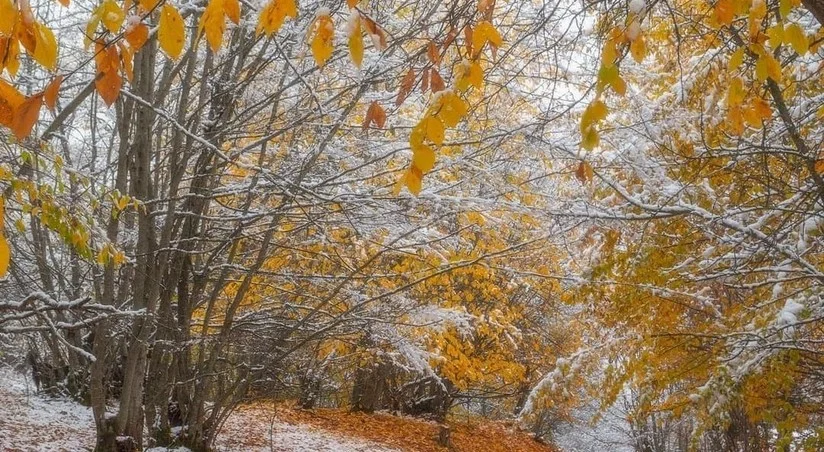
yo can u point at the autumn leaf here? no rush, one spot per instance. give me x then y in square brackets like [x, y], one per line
[484, 33]
[111, 14]
[405, 87]
[796, 37]
[8, 17]
[434, 130]
[214, 23]
[5, 252]
[108, 81]
[10, 99]
[449, 108]
[232, 10]
[171, 32]
[433, 53]
[376, 34]
[638, 49]
[736, 59]
[469, 74]
[45, 50]
[355, 39]
[584, 172]
[51, 92]
[423, 158]
[137, 36]
[274, 14]
[374, 114]
[25, 116]
[322, 41]
[436, 83]
[414, 178]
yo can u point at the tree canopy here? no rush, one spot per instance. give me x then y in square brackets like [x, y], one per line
[518, 210]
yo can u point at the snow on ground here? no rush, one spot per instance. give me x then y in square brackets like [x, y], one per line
[31, 422]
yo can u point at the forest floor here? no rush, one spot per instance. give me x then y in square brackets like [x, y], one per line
[34, 422]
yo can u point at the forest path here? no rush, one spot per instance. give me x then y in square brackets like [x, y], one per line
[31, 422]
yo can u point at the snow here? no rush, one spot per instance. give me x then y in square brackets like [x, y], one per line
[635, 6]
[31, 422]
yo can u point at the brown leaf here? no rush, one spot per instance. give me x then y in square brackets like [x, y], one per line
[375, 113]
[436, 83]
[468, 39]
[25, 116]
[406, 86]
[584, 172]
[51, 92]
[433, 53]
[378, 35]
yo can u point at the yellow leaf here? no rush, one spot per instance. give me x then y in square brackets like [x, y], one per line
[12, 57]
[609, 53]
[5, 254]
[274, 14]
[45, 51]
[322, 41]
[8, 17]
[796, 37]
[736, 59]
[214, 23]
[767, 66]
[414, 178]
[485, 32]
[423, 158]
[434, 130]
[590, 139]
[776, 35]
[609, 76]
[735, 120]
[148, 5]
[469, 74]
[596, 111]
[111, 14]
[356, 43]
[171, 32]
[450, 109]
[638, 48]
[735, 92]
[784, 7]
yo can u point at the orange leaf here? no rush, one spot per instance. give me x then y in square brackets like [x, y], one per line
[25, 116]
[232, 10]
[375, 113]
[50, 94]
[137, 36]
[108, 80]
[406, 86]
[10, 99]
